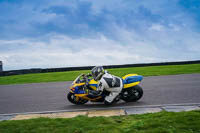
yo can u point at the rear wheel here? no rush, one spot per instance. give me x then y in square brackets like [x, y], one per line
[75, 100]
[132, 94]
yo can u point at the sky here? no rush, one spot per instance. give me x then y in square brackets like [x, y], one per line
[67, 33]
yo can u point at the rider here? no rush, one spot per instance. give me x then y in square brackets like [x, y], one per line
[109, 82]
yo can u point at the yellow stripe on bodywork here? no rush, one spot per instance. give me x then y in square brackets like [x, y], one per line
[84, 96]
[93, 87]
[128, 75]
[131, 84]
[80, 95]
[93, 82]
[80, 84]
[91, 99]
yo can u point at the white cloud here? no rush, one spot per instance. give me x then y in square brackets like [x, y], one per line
[157, 27]
[63, 51]
[128, 47]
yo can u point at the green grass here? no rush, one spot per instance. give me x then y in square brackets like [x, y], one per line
[71, 75]
[162, 122]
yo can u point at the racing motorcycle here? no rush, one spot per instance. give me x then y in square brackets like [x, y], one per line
[84, 84]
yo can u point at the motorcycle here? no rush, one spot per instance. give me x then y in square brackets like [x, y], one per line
[84, 84]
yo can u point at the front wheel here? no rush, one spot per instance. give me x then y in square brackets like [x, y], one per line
[75, 100]
[132, 94]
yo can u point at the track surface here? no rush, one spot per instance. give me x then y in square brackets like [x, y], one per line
[158, 90]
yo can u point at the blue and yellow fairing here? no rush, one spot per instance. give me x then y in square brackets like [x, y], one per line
[131, 80]
[92, 84]
[84, 93]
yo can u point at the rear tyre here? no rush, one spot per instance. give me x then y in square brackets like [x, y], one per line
[72, 98]
[132, 94]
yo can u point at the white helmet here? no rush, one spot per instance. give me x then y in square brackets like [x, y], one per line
[97, 72]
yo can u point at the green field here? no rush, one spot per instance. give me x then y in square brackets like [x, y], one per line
[71, 75]
[162, 122]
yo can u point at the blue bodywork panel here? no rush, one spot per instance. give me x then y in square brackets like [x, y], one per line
[133, 79]
[78, 90]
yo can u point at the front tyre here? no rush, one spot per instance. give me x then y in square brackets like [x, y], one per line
[132, 94]
[73, 99]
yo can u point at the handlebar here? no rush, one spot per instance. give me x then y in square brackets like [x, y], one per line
[84, 76]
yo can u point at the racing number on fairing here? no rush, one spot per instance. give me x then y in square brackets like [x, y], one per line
[112, 82]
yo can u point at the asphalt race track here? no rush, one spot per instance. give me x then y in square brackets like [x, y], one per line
[158, 90]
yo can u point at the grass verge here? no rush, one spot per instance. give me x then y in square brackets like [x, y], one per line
[162, 122]
[71, 75]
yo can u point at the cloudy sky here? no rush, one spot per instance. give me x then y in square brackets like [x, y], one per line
[62, 33]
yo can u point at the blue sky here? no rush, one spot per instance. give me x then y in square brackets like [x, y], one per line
[61, 33]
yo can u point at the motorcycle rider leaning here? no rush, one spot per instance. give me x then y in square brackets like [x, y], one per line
[110, 83]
